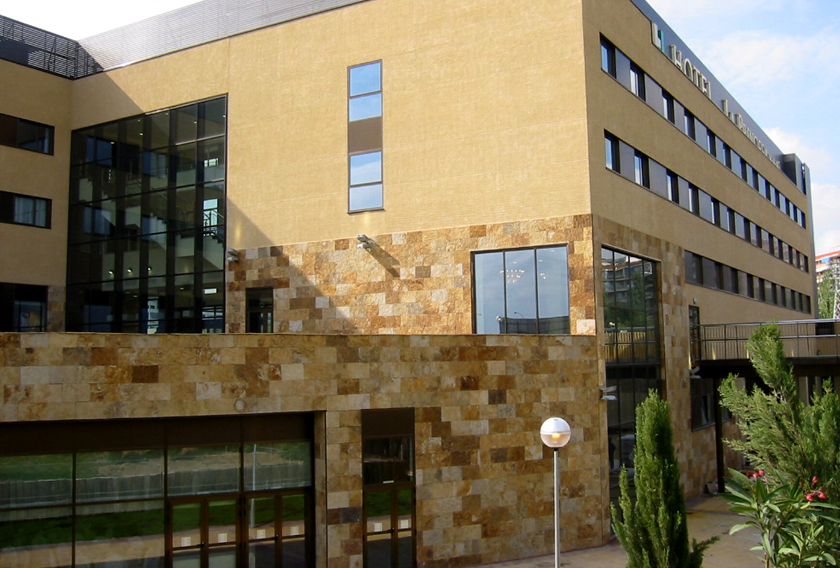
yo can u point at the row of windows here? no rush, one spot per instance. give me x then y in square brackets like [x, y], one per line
[706, 272]
[620, 67]
[26, 135]
[650, 174]
[25, 210]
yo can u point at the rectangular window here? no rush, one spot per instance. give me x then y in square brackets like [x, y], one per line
[711, 143]
[688, 126]
[26, 135]
[522, 291]
[364, 138]
[637, 81]
[260, 308]
[705, 206]
[613, 161]
[668, 107]
[641, 169]
[608, 57]
[25, 210]
[673, 187]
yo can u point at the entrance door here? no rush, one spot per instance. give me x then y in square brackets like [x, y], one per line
[202, 532]
[389, 527]
[278, 527]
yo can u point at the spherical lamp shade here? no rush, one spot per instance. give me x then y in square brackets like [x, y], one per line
[555, 432]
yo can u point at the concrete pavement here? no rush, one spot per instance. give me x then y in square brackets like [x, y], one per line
[707, 516]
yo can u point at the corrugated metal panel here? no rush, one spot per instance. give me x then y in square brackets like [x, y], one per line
[196, 24]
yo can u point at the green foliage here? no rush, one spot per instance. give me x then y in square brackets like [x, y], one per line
[653, 530]
[780, 432]
[797, 529]
[825, 296]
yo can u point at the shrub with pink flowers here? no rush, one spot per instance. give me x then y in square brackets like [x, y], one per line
[798, 527]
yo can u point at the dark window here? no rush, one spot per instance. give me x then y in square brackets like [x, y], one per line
[522, 291]
[389, 488]
[260, 307]
[25, 134]
[705, 206]
[693, 199]
[365, 137]
[608, 57]
[668, 107]
[693, 268]
[673, 187]
[146, 250]
[631, 323]
[689, 127]
[637, 81]
[25, 210]
[23, 307]
[613, 161]
[641, 170]
[711, 143]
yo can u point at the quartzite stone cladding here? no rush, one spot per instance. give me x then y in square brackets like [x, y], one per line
[484, 489]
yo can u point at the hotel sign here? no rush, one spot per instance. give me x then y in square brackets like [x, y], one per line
[703, 83]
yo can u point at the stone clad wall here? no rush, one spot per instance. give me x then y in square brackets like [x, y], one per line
[484, 480]
[407, 283]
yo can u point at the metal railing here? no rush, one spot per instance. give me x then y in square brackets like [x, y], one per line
[811, 339]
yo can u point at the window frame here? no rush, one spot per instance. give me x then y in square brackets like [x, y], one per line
[40, 207]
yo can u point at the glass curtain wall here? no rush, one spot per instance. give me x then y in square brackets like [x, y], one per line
[147, 223]
[633, 359]
[170, 497]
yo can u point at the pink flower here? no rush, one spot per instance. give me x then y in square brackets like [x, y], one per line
[809, 497]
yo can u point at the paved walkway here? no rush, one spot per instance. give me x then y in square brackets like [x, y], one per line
[707, 516]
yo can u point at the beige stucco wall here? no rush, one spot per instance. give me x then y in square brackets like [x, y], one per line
[33, 255]
[613, 108]
[483, 115]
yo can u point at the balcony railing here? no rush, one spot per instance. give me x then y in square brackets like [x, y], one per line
[805, 339]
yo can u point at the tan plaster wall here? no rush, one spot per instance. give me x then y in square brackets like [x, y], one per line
[613, 108]
[484, 480]
[482, 121]
[35, 255]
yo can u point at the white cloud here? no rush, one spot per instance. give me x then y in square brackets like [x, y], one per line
[819, 160]
[760, 59]
[826, 205]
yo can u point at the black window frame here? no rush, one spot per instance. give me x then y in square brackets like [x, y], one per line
[8, 207]
[13, 135]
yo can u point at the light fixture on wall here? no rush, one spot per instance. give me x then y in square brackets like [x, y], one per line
[365, 241]
[606, 393]
[232, 255]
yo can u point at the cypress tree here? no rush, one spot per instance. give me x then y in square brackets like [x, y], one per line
[652, 529]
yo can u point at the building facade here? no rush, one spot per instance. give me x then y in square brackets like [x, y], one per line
[312, 275]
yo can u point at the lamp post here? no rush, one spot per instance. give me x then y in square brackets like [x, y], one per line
[555, 433]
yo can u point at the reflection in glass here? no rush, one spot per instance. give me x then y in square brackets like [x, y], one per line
[276, 466]
[367, 106]
[198, 470]
[366, 168]
[119, 475]
[366, 197]
[122, 534]
[35, 480]
[37, 538]
[365, 78]
[522, 291]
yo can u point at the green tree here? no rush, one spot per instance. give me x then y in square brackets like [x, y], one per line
[780, 432]
[652, 529]
[825, 296]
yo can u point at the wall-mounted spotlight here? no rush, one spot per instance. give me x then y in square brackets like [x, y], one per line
[365, 241]
[232, 255]
[605, 393]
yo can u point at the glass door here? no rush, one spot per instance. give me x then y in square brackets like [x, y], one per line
[202, 533]
[389, 527]
[278, 527]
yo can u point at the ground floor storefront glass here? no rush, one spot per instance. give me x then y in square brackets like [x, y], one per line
[210, 492]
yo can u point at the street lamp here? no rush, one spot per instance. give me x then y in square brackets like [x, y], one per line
[555, 433]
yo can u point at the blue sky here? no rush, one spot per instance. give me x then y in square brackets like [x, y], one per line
[777, 58]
